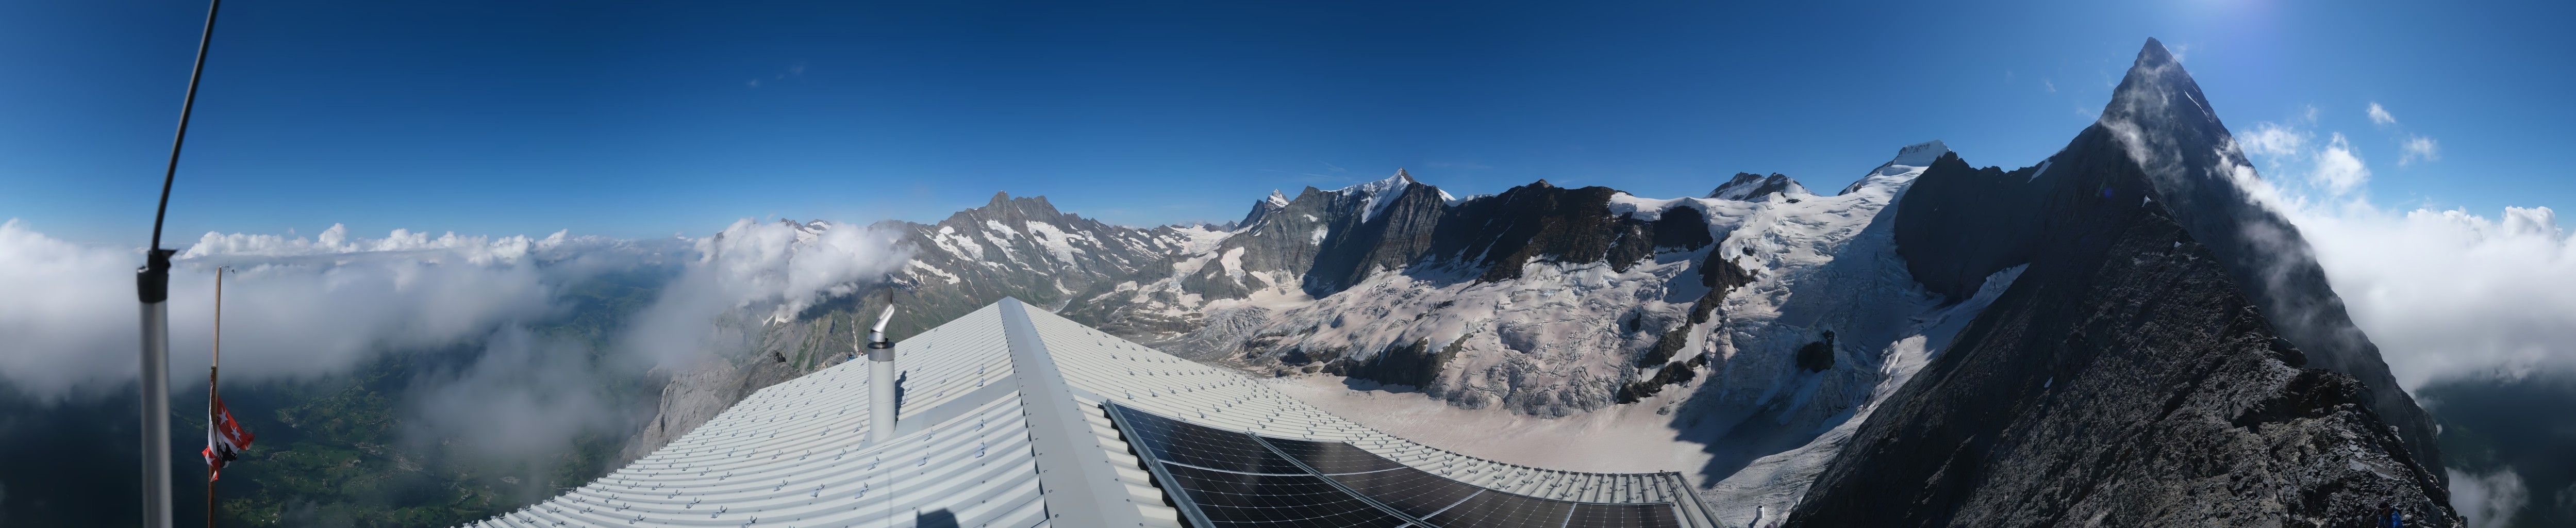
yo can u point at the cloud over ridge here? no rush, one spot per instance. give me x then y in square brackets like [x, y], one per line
[2444, 293]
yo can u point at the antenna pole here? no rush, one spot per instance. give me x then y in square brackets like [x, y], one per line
[152, 288]
[210, 392]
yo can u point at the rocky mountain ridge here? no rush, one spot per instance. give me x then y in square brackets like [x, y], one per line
[1771, 325]
[2135, 374]
[1539, 300]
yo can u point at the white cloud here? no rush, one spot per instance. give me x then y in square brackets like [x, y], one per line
[295, 308]
[2274, 141]
[794, 70]
[310, 308]
[2419, 148]
[2489, 500]
[2050, 85]
[2339, 169]
[760, 271]
[523, 400]
[2567, 498]
[302, 308]
[2444, 293]
[2410, 147]
[2448, 293]
[59, 313]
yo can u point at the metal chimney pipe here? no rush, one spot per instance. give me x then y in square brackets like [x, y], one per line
[881, 378]
[881, 391]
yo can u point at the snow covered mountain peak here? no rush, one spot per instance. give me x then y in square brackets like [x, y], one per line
[1376, 195]
[1396, 182]
[1909, 162]
[1277, 198]
[1920, 154]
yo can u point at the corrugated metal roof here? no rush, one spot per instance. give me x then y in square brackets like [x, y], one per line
[974, 448]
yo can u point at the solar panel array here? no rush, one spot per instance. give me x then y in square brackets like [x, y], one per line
[1224, 478]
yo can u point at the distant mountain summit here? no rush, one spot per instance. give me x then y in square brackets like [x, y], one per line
[1747, 186]
[2169, 357]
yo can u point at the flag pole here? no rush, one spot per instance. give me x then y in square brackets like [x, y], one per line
[210, 391]
[152, 290]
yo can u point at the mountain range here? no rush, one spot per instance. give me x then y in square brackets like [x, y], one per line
[2118, 335]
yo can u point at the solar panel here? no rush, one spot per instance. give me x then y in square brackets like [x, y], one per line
[1332, 457]
[1227, 478]
[1236, 499]
[1184, 443]
[1410, 491]
[1622, 516]
[1505, 510]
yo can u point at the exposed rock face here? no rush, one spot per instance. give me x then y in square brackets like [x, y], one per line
[697, 393]
[1750, 186]
[1262, 209]
[1961, 223]
[1817, 356]
[1367, 241]
[1541, 222]
[2164, 123]
[2158, 122]
[2131, 376]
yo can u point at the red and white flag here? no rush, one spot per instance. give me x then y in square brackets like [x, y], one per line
[225, 439]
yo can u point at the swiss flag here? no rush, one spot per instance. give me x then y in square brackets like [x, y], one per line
[225, 439]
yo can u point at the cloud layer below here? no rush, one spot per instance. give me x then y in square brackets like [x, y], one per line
[2487, 500]
[294, 307]
[758, 272]
[499, 393]
[297, 307]
[2444, 293]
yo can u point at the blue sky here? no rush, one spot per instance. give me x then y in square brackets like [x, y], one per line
[632, 119]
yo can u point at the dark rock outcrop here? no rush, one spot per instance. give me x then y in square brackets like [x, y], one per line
[1261, 209]
[1391, 238]
[1329, 240]
[1545, 223]
[1817, 356]
[1676, 373]
[2133, 376]
[1415, 364]
[1958, 224]
[1750, 186]
[2159, 125]
[2162, 127]
[2192, 161]
[1506, 231]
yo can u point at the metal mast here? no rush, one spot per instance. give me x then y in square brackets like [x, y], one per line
[152, 288]
[211, 370]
